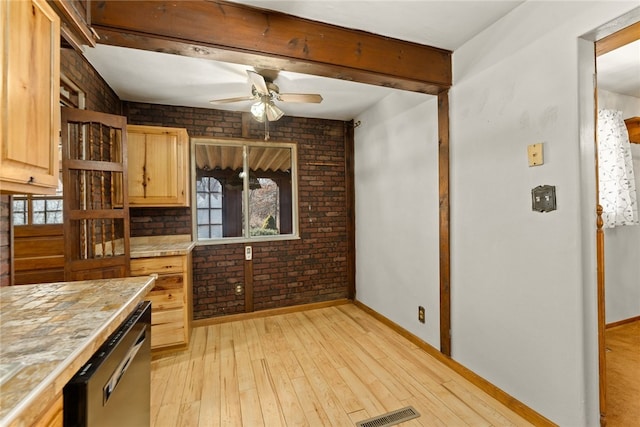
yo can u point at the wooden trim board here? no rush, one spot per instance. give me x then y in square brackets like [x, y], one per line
[623, 322]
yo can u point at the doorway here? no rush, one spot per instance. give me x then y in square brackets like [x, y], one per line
[617, 396]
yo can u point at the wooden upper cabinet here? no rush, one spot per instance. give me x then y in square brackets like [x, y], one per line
[158, 166]
[29, 97]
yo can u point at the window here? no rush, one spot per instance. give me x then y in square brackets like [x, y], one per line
[34, 210]
[244, 190]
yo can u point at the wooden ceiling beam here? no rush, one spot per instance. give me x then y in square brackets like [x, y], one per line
[260, 38]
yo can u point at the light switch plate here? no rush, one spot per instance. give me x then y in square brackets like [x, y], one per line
[535, 154]
[248, 253]
[543, 198]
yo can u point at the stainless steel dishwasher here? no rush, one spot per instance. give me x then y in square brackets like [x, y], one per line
[113, 388]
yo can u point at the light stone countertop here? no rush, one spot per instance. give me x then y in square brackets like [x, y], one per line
[48, 331]
[154, 246]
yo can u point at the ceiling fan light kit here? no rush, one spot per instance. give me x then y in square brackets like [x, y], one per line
[265, 109]
[265, 93]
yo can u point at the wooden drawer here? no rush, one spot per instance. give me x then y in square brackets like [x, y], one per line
[157, 265]
[169, 282]
[167, 328]
[166, 299]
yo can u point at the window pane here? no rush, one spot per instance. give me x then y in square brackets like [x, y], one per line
[270, 169]
[216, 231]
[38, 217]
[203, 232]
[216, 201]
[19, 218]
[264, 209]
[203, 216]
[38, 205]
[19, 205]
[54, 217]
[216, 216]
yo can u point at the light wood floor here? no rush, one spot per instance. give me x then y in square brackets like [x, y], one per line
[623, 375]
[325, 367]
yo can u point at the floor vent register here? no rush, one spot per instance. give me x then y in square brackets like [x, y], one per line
[390, 418]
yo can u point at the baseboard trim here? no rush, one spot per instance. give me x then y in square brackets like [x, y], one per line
[623, 322]
[268, 312]
[501, 396]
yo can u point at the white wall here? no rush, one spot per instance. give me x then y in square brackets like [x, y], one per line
[396, 176]
[518, 276]
[622, 244]
[523, 283]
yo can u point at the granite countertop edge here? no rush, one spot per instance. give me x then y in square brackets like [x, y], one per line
[40, 397]
[160, 249]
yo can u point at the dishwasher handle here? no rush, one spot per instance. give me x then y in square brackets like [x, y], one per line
[115, 378]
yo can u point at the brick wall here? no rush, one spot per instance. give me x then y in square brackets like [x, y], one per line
[285, 273]
[159, 221]
[98, 95]
[5, 248]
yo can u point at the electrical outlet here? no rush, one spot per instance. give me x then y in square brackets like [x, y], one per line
[238, 289]
[421, 317]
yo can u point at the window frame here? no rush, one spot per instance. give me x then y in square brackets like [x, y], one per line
[245, 144]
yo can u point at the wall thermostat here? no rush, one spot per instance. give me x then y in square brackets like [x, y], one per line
[543, 198]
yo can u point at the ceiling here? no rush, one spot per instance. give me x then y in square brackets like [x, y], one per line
[619, 70]
[160, 78]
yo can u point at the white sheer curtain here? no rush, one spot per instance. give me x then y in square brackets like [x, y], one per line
[615, 171]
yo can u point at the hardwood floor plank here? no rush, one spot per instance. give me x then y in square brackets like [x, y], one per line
[168, 415]
[321, 390]
[423, 398]
[315, 364]
[251, 410]
[331, 366]
[245, 378]
[211, 388]
[193, 384]
[160, 378]
[173, 394]
[271, 409]
[359, 359]
[189, 414]
[311, 404]
[359, 416]
[230, 409]
[369, 401]
[492, 416]
[623, 374]
[253, 340]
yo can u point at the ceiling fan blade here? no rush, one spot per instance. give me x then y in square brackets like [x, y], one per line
[267, 73]
[229, 100]
[300, 97]
[258, 82]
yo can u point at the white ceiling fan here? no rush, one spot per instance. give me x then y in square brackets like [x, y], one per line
[264, 91]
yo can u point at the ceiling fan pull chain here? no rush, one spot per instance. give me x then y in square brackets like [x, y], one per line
[266, 129]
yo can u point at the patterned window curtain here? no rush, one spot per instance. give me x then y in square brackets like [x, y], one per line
[615, 171]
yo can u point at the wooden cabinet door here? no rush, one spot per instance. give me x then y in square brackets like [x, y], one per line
[136, 165]
[96, 221]
[163, 161]
[29, 97]
[158, 164]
